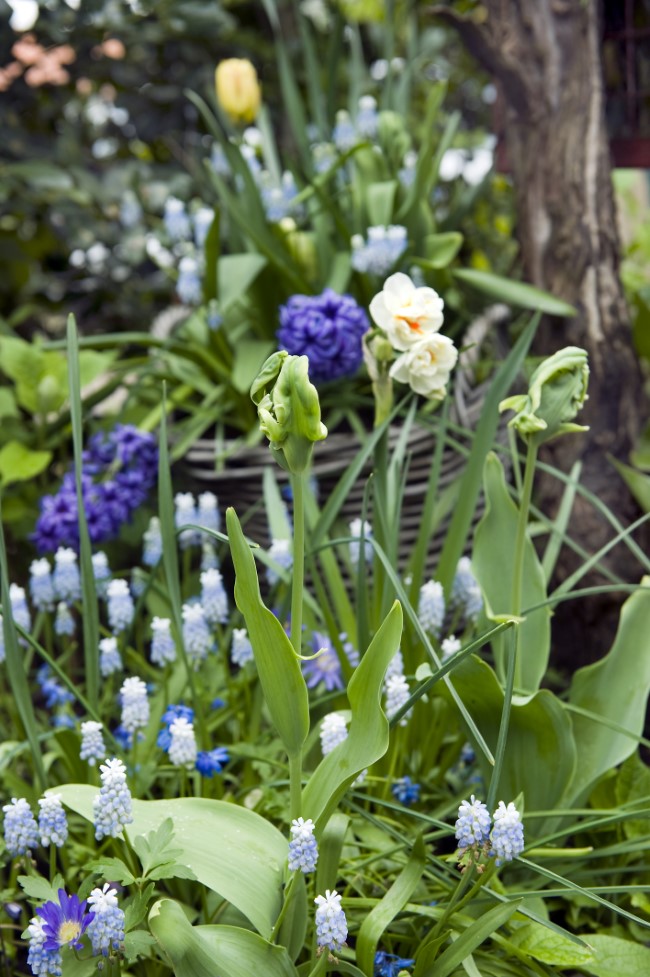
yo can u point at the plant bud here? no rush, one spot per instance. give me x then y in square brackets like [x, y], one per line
[238, 90]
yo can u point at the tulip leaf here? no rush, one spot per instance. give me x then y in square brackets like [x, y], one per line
[235, 274]
[514, 293]
[470, 939]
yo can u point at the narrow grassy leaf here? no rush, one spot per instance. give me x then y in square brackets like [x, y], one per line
[514, 293]
[470, 939]
[560, 523]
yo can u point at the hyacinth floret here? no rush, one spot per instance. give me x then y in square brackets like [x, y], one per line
[303, 849]
[214, 599]
[197, 636]
[186, 514]
[64, 922]
[431, 607]
[101, 572]
[41, 585]
[19, 606]
[208, 513]
[135, 704]
[182, 746]
[120, 606]
[152, 540]
[106, 930]
[241, 649]
[110, 660]
[93, 747]
[66, 576]
[331, 924]
[163, 646]
[63, 621]
[20, 828]
[52, 822]
[473, 824]
[112, 805]
[507, 836]
[43, 963]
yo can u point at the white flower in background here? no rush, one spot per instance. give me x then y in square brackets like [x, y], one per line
[406, 313]
[426, 366]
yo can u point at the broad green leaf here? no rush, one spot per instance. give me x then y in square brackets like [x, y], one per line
[214, 951]
[235, 274]
[386, 910]
[471, 938]
[18, 463]
[231, 850]
[633, 786]
[251, 354]
[441, 249]
[550, 947]
[514, 293]
[494, 545]
[380, 198]
[278, 667]
[41, 175]
[540, 757]
[368, 736]
[8, 407]
[617, 958]
[38, 889]
[616, 688]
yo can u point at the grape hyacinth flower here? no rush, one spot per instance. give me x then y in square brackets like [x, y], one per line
[209, 762]
[110, 660]
[135, 704]
[52, 822]
[241, 649]
[101, 572]
[186, 514]
[333, 730]
[170, 715]
[390, 965]
[177, 223]
[64, 621]
[214, 599]
[64, 922]
[381, 250]
[303, 849]
[278, 200]
[326, 328]
[20, 828]
[466, 594]
[197, 636]
[208, 515]
[43, 963]
[405, 791]
[66, 577]
[152, 539]
[473, 824]
[182, 748]
[112, 805]
[120, 606]
[450, 646]
[163, 646]
[280, 551]
[202, 220]
[106, 930]
[331, 924]
[92, 742]
[188, 285]
[397, 693]
[19, 608]
[507, 836]
[431, 607]
[53, 692]
[209, 558]
[41, 585]
[344, 134]
[395, 665]
[356, 527]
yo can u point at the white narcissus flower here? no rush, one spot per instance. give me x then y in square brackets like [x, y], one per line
[426, 366]
[405, 313]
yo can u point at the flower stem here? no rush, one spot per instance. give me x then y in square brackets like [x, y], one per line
[285, 905]
[520, 543]
[298, 576]
[295, 785]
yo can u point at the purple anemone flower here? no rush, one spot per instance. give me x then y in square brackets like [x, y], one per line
[209, 762]
[64, 922]
[326, 328]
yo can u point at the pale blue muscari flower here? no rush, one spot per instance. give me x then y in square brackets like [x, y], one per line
[333, 730]
[279, 201]
[197, 636]
[43, 963]
[367, 120]
[407, 173]
[219, 160]
[250, 155]
[214, 599]
[395, 666]
[41, 585]
[331, 924]
[241, 649]
[112, 805]
[92, 742]
[66, 577]
[323, 156]
[450, 646]
[63, 622]
[176, 221]
[465, 592]
[188, 285]
[20, 828]
[431, 607]
[344, 134]
[120, 606]
[185, 514]
[356, 526]
[209, 558]
[473, 824]
[138, 583]
[208, 515]
[163, 646]
[507, 836]
[106, 930]
[380, 251]
[397, 693]
[152, 538]
[101, 572]
[280, 551]
[19, 608]
[182, 748]
[135, 704]
[202, 221]
[130, 210]
[52, 822]
[303, 849]
[110, 660]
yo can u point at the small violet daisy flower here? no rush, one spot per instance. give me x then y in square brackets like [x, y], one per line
[112, 805]
[303, 849]
[209, 762]
[64, 922]
[331, 924]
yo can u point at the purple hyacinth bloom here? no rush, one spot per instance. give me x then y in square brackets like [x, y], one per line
[327, 328]
[64, 922]
[209, 762]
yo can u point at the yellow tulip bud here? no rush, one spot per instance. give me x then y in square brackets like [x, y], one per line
[238, 90]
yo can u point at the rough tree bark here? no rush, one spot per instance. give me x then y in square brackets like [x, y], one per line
[545, 58]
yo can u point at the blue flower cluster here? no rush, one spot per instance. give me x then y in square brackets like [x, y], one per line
[390, 965]
[208, 762]
[119, 469]
[506, 839]
[326, 328]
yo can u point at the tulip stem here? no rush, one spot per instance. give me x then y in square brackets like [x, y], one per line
[298, 577]
[520, 545]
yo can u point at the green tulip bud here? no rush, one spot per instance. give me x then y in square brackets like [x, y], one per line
[288, 409]
[556, 392]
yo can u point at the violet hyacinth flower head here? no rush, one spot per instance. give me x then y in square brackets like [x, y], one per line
[326, 328]
[64, 922]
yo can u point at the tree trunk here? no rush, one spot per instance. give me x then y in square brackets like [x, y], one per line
[545, 58]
